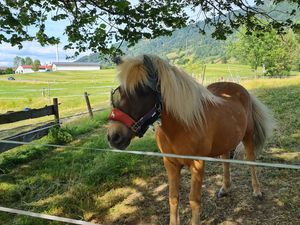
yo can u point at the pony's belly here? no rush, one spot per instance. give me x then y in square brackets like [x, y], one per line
[183, 144]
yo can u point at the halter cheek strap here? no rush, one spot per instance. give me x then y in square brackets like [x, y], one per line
[140, 127]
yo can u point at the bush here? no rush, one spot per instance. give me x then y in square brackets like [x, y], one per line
[59, 135]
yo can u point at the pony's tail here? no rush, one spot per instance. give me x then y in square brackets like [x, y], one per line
[264, 124]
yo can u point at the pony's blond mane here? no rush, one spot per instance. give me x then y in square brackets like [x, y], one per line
[182, 95]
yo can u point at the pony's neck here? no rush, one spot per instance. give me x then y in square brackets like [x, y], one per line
[172, 126]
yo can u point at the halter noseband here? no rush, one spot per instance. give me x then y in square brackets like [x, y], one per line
[140, 127]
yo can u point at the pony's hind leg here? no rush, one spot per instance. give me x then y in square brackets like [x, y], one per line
[250, 155]
[173, 170]
[226, 178]
[197, 171]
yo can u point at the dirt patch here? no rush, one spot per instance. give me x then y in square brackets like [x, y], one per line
[147, 202]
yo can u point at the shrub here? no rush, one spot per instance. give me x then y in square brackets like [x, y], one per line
[59, 135]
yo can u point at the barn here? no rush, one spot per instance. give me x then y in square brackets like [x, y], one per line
[24, 69]
[57, 66]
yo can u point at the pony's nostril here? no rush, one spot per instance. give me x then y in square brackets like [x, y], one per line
[116, 138]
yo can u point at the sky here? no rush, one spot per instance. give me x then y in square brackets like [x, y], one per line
[34, 50]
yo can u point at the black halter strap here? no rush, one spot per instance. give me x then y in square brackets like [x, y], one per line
[141, 126]
[154, 83]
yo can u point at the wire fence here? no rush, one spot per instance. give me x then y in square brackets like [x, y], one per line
[45, 216]
[163, 155]
[40, 90]
[54, 96]
[34, 131]
[83, 113]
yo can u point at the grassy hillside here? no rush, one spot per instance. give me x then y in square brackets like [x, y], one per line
[111, 188]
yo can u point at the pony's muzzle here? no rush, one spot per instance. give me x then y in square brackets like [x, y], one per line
[118, 135]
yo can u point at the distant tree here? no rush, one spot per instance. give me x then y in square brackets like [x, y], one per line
[9, 71]
[28, 61]
[35, 65]
[277, 52]
[224, 59]
[18, 61]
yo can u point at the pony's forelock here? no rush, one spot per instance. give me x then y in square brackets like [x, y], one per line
[132, 72]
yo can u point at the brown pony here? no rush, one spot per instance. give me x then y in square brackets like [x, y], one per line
[195, 121]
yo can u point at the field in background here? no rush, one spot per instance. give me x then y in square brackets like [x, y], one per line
[27, 90]
[113, 189]
[215, 71]
[32, 90]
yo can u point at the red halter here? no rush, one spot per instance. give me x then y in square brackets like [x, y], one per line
[118, 115]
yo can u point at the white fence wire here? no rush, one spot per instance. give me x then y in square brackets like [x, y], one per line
[168, 155]
[45, 216]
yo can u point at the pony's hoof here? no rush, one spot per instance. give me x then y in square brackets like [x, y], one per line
[222, 193]
[258, 195]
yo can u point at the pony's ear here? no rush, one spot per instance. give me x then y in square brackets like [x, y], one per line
[118, 60]
[152, 74]
[149, 65]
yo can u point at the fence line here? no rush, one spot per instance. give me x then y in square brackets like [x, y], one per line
[37, 132]
[55, 96]
[13, 98]
[156, 154]
[34, 131]
[52, 89]
[32, 126]
[70, 96]
[83, 113]
[45, 216]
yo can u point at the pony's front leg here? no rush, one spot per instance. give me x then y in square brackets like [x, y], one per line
[226, 179]
[173, 171]
[197, 171]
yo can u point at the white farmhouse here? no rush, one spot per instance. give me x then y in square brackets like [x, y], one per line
[28, 69]
[24, 69]
[56, 66]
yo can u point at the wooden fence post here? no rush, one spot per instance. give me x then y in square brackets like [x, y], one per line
[49, 91]
[55, 107]
[88, 104]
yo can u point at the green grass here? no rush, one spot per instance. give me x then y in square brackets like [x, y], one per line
[282, 96]
[60, 181]
[112, 188]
